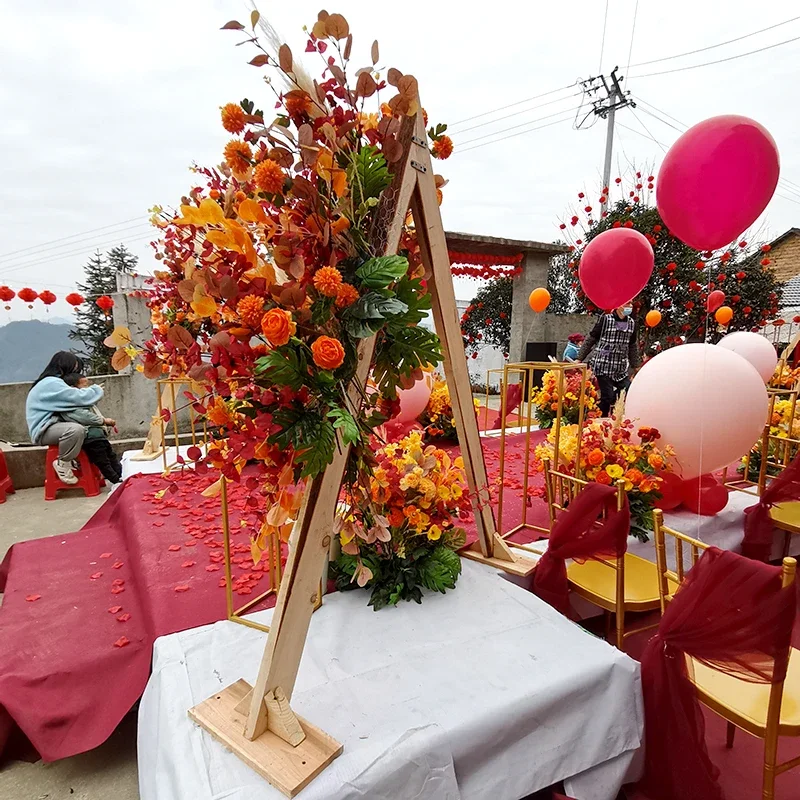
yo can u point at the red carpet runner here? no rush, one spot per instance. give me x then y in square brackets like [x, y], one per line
[81, 611]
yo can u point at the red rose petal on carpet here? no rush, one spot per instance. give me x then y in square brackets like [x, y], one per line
[32, 597]
[122, 641]
[118, 582]
[105, 555]
[95, 575]
[114, 609]
[212, 568]
[174, 548]
[182, 588]
[123, 617]
[117, 564]
[117, 589]
[188, 563]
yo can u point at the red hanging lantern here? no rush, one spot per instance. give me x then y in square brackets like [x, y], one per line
[105, 303]
[74, 299]
[47, 297]
[7, 294]
[27, 295]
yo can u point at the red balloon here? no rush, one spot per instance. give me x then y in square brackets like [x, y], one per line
[615, 267]
[671, 491]
[716, 180]
[715, 300]
[704, 495]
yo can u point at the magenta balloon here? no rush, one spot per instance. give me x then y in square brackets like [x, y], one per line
[615, 267]
[705, 401]
[716, 180]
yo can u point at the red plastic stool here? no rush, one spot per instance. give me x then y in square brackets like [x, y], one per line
[90, 479]
[6, 487]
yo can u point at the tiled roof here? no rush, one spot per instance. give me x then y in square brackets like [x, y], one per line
[791, 293]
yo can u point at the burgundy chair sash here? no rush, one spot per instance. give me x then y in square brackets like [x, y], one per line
[731, 614]
[758, 526]
[513, 399]
[577, 535]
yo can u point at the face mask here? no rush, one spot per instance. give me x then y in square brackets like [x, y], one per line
[627, 311]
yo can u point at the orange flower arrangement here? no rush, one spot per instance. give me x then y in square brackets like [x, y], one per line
[238, 155]
[328, 352]
[269, 177]
[251, 310]
[346, 295]
[297, 103]
[233, 118]
[278, 326]
[327, 281]
[442, 148]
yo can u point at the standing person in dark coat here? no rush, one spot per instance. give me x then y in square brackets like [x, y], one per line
[610, 351]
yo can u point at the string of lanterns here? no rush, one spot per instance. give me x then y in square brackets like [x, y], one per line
[29, 296]
[484, 266]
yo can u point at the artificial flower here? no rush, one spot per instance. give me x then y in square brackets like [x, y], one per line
[328, 281]
[239, 156]
[278, 326]
[269, 177]
[327, 352]
[233, 118]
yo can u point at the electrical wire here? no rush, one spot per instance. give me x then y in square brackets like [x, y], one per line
[512, 105]
[514, 127]
[517, 113]
[713, 46]
[638, 119]
[73, 236]
[633, 31]
[603, 40]
[519, 133]
[718, 61]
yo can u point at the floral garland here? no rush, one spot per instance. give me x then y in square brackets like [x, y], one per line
[545, 398]
[271, 277]
[610, 452]
[408, 539]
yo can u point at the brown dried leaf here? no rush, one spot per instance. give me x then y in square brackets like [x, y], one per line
[337, 73]
[329, 132]
[383, 125]
[366, 86]
[320, 93]
[220, 339]
[374, 52]
[297, 266]
[254, 18]
[348, 47]
[120, 360]
[186, 290]
[304, 189]
[439, 181]
[228, 287]
[305, 135]
[259, 60]
[392, 149]
[293, 296]
[309, 155]
[337, 27]
[197, 372]
[408, 88]
[319, 30]
[119, 337]
[285, 58]
[152, 369]
[180, 337]
[233, 25]
[322, 15]
[280, 155]
[393, 76]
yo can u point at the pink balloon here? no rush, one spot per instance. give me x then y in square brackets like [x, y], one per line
[705, 401]
[615, 267]
[414, 400]
[716, 180]
[755, 349]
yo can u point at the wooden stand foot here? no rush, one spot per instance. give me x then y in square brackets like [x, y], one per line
[288, 768]
[502, 559]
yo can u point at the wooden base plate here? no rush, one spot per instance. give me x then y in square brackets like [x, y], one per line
[287, 768]
[519, 566]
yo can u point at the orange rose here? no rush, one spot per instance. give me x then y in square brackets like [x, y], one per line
[603, 477]
[596, 457]
[277, 325]
[328, 352]
[655, 461]
[634, 476]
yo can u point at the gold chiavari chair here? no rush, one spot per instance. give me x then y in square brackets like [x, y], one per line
[617, 585]
[767, 711]
[777, 454]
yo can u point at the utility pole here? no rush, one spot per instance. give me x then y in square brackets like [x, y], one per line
[606, 107]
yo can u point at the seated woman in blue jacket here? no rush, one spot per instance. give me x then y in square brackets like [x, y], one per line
[50, 396]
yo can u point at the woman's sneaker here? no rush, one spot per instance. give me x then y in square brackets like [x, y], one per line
[64, 471]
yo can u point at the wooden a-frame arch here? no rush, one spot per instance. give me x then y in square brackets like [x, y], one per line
[258, 724]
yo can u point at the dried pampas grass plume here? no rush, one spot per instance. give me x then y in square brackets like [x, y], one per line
[273, 42]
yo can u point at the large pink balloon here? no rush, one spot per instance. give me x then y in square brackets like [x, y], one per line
[414, 400]
[707, 402]
[756, 349]
[716, 180]
[615, 267]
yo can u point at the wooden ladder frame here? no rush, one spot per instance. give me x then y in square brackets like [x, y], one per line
[258, 723]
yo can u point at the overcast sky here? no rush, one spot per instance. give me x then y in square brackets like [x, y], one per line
[103, 107]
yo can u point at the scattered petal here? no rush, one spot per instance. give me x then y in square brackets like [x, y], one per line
[95, 575]
[122, 641]
[118, 582]
[32, 597]
[182, 588]
[117, 589]
[105, 555]
[123, 617]
[115, 609]
[174, 548]
[188, 563]
[116, 565]
[212, 568]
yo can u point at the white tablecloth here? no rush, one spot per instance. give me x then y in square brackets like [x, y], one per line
[154, 466]
[485, 692]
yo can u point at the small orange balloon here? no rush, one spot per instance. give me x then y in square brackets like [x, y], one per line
[539, 300]
[724, 315]
[653, 318]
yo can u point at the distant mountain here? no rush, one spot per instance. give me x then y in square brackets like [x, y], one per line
[26, 347]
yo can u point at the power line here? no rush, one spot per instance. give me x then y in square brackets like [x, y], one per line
[663, 121]
[73, 236]
[512, 105]
[517, 113]
[519, 133]
[714, 46]
[14, 261]
[645, 135]
[718, 61]
[638, 119]
[522, 124]
[603, 40]
[633, 31]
